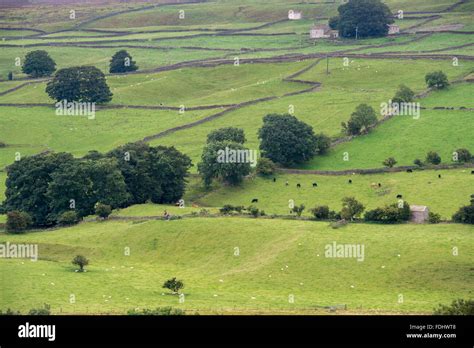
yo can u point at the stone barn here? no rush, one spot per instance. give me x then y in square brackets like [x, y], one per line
[323, 32]
[295, 15]
[393, 29]
[419, 214]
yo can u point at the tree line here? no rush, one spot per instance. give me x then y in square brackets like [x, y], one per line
[41, 189]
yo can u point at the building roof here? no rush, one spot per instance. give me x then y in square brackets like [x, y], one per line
[320, 26]
[419, 208]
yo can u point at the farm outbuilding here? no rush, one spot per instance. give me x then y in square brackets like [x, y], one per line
[419, 214]
[393, 29]
[323, 32]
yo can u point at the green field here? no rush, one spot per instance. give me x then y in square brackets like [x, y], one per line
[276, 259]
[229, 64]
[443, 196]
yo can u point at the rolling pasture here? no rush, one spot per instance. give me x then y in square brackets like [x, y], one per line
[275, 259]
[229, 63]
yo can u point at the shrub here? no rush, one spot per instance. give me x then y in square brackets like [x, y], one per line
[80, 261]
[103, 210]
[298, 209]
[418, 162]
[157, 311]
[463, 155]
[9, 311]
[433, 158]
[457, 307]
[465, 214]
[389, 162]
[351, 208]
[45, 310]
[403, 95]
[389, 214]
[320, 212]
[68, 218]
[18, 221]
[253, 210]
[228, 208]
[437, 79]
[265, 166]
[434, 218]
[174, 285]
[334, 215]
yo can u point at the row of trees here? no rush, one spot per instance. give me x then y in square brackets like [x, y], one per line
[40, 64]
[47, 186]
[432, 157]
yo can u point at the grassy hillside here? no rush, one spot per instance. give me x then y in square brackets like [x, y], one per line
[277, 259]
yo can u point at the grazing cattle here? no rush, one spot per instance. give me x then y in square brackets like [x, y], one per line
[439, 176]
[298, 185]
[409, 171]
[472, 171]
[399, 196]
[380, 185]
[350, 181]
[315, 184]
[274, 179]
[255, 200]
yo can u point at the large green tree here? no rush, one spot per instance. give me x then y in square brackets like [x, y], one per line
[156, 174]
[367, 18]
[361, 120]
[38, 64]
[211, 167]
[27, 185]
[287, 141]
[122, 62]
[80, 84]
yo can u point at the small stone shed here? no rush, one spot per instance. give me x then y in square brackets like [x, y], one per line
[419, 213]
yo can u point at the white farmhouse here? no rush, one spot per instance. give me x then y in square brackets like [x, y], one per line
[294, 15]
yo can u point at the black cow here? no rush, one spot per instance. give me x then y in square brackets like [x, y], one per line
[315, 184]
[274, 179]
[409, 171]
[399, 196]
[472, 171]
[350, 181]
[380, 185]
[439, 176]
[255, 200]
[298, 185]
